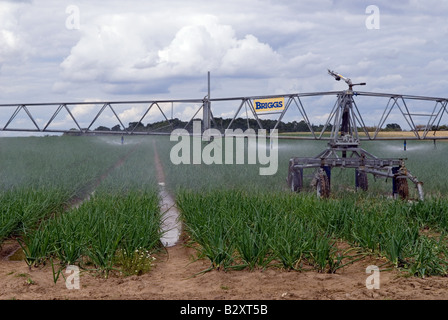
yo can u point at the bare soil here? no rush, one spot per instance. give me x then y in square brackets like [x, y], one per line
[172, 278]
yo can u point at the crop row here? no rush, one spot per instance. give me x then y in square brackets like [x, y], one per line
[40, 177]
[240, 229]
[118, 224]
[105, 232]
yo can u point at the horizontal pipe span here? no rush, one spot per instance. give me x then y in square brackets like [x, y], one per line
[308, 94]
[346, 162]
[101, 102]
[404, 96]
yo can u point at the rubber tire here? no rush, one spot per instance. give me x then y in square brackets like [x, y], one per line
[402, 188]
[362, 180]
[322, 185]
[295, 181]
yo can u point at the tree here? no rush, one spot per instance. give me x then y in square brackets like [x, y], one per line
[393, 127]
[116, 128]
[137, 125]
[102, 128]
[302, 127]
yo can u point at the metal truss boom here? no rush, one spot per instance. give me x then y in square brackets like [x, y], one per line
[399, 103]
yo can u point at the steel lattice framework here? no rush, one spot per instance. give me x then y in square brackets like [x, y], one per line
[295, 101]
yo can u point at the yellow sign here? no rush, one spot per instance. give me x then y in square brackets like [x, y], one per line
[272, 104]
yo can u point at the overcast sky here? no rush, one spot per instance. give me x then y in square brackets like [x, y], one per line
[72, 51]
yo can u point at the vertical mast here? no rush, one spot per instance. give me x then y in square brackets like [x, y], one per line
[345, 133]
[206, 114]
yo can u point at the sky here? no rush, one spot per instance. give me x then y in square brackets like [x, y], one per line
[82, 51]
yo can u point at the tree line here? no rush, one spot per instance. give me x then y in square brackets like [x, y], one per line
[241, 123]
[217, 123]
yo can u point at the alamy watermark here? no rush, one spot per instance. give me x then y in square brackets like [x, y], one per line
[72, 280]
[373, 281]
[373, 20]
[73, 20]
[260, 149]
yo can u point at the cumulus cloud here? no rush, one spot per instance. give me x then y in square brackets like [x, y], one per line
[11, 42]
[119, 49]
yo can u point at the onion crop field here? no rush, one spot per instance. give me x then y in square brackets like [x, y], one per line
[238, 219]
[81, 200]
[94, 202]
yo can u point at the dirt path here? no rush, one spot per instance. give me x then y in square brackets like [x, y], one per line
[172, 279]
[170, 218]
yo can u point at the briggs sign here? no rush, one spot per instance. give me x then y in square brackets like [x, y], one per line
[271, 104]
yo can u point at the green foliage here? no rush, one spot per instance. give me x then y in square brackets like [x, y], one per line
[122, 215]
[259, 229]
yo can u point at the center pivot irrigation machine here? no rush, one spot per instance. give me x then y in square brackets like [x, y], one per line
[344, 120]
[344, 151]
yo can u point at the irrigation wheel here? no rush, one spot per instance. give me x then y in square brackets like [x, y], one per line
[295, 180]
[361, 180]
[322, 185]
[402, 188]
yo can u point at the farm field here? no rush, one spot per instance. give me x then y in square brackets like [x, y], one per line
[94, 203]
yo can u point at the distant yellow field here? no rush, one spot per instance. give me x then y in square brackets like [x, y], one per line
[385, 134]
[408, 134]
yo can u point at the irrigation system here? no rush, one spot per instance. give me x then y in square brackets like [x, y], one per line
[345, 123]
[344, 151]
